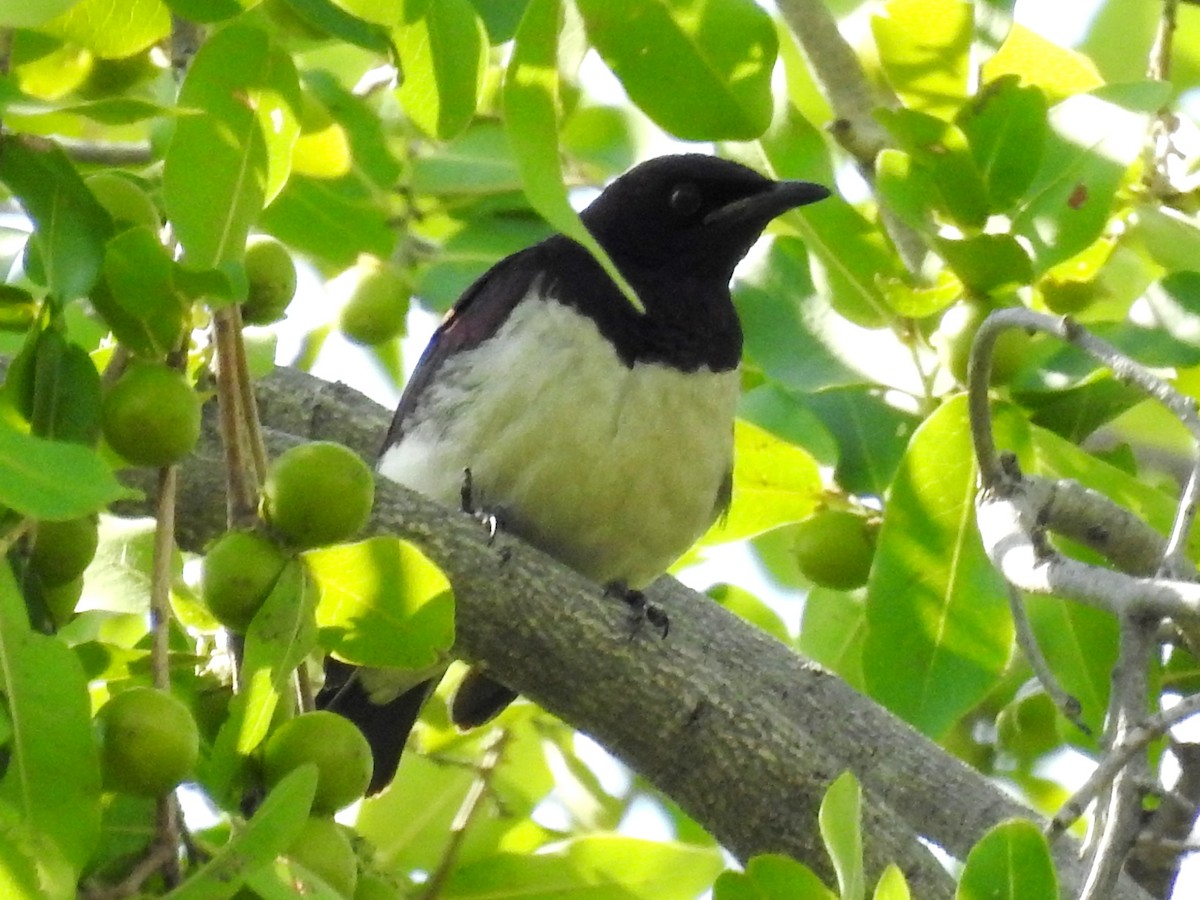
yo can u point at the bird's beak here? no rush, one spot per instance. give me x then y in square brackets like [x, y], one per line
[764, 206]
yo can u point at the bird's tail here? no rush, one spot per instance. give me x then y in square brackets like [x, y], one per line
[479, 699]
[386, 726]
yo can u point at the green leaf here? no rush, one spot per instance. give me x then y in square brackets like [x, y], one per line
[924, 49]
[871, 435]
[601, 138]
[118, 578]
[774, 483]
[906, 188]
[53, 480]
[1010, 862]
[409, 825]
[483, 242]
[1080, 644]
[987, 262]
[325, 220]
[382, 603]
[840, 819]
[112, 29]
[531, 104]
[478, 161]
[602, 865]
[1093, 140]
[137, 298]
[55, 387]
[700, 71]
[772, 876]
[850, 253]
[19, 857]
[1056, 71]
[53, 774]
[238, 150]
[381, 12]
[1064, 459]
[938, 630]
[501, 17]
[892, 885]
[784, 413]
[32, 12]
[787, 321]
[443, 52]
[281, 635]
[372, 159]
[336, 22]
[745, 605]
[1075, 412]
[940, 149]
[267, 835]
[71, 225]
[1006, 127]
[1169, 237]
[832, 631]
[920, 300]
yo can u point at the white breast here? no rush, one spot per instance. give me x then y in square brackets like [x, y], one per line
[611, 469]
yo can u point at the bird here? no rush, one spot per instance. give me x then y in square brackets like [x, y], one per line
[599, 433]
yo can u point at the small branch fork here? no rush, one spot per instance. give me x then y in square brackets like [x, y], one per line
[1151, 583]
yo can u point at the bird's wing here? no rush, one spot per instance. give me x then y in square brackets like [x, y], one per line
[477, 315]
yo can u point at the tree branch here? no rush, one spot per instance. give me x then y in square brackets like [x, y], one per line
[736, 727]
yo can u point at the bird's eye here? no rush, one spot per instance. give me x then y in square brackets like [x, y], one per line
[685, 199]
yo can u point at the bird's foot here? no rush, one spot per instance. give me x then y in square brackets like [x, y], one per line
[491, 519]
[641, 610]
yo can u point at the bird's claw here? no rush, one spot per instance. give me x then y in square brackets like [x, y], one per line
[490, 519]
[642, 610]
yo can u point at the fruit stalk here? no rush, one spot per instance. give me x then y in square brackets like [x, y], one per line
[241, 488]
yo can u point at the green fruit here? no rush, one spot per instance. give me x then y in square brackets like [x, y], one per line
[148, 742]
[272, 277]
[956, 334]
[337, 748]
[319, 493]
[1068, 297]
[323, 848]
[62, 550]
[1029, 727]
[834, 549]
[151, 416]
[127, 203]
[240, 570]
[60, 601]
[375, 302]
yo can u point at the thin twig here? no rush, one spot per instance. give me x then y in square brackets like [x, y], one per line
[853, 98]
[1159, 146]
[132, 883]
[1124, 369]
[248, 402]
[106, 153]
[241, 491]
[1153, 727]
[167, 824]
[160, 580]
[472, 802]
[306, 697]
[1119, 809]
[1066, 704]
